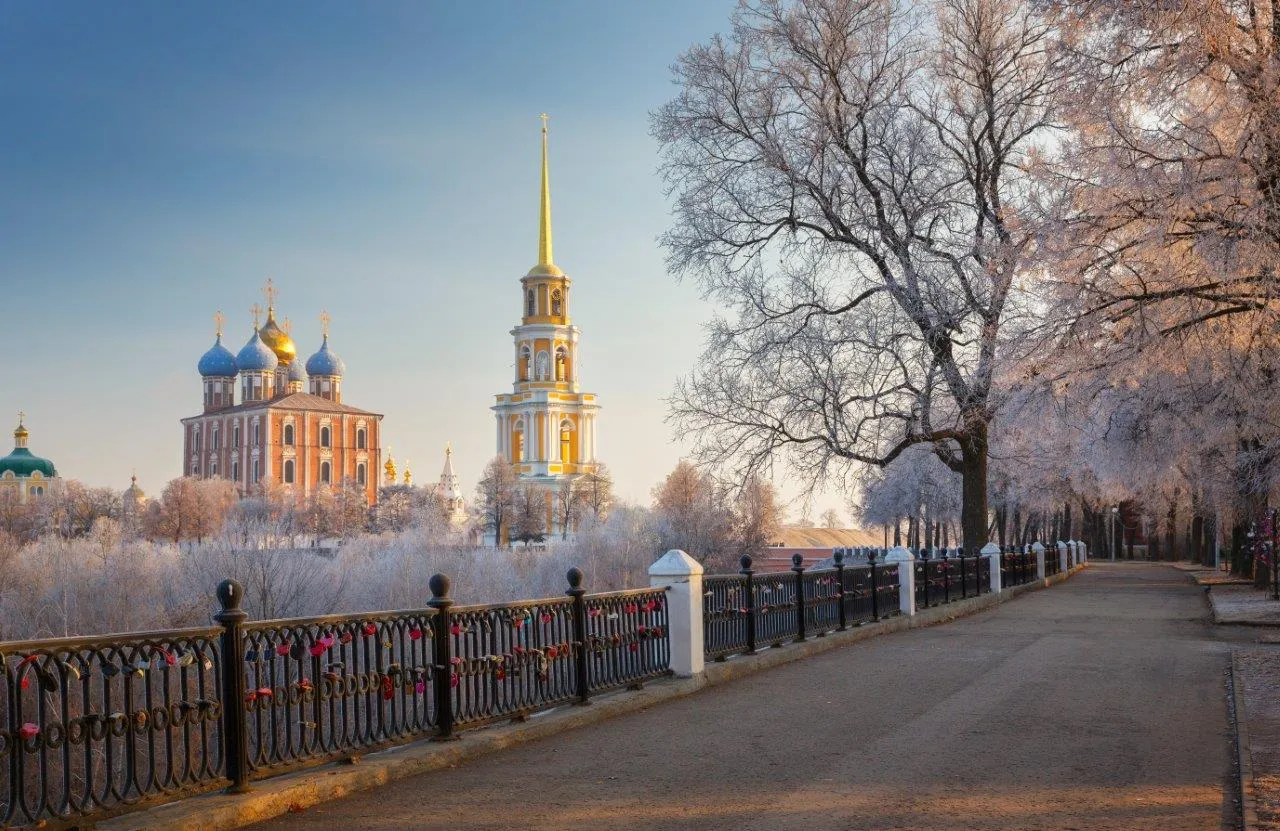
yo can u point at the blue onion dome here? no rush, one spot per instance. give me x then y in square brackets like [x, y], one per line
[256, 356]
[325, 361]
[218, 362]
[296, 372]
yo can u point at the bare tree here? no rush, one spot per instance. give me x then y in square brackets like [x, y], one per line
[495, 497]
[830, 518]
[529, 515]
[693, 514]
[860, 199]
[757, 517]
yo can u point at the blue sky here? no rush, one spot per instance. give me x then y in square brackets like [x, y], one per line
[158, 161]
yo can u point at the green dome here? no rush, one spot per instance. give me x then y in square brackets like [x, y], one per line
[21, 462]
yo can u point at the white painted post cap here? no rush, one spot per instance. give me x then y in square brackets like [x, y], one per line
[1037, 547]
[675, 563]
[898, 554]
[990, 548]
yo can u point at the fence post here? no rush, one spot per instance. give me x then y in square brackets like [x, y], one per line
[235, 734]
[579, 632]
[875, 586]
[964, 577]
[682, 574]
[797, 566]
[992, 552]
[906, 578]
[1038, 550]
[745, 562]
[441, 660]
[1062, 557]
[839, 558]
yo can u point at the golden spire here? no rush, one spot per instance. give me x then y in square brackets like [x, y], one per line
[256, 311]
[20, 434]
[218, 320]
[408, 474]
[324, 323]
[546, 266]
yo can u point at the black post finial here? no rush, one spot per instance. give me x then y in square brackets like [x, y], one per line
[838, 557]
[230, 595]
[797, 561]
[439, 585]
[574, 576]
[745, 562]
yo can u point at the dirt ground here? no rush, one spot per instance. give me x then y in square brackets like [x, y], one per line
[1097, 704]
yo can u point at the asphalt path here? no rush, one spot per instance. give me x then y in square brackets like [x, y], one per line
[1096, 704]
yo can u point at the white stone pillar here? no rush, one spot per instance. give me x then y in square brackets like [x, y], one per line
[1038, 550]
[993, 551]
[905, 562]
[684, 609]
[1074, 550]
[1062, 557]
[1084, 551]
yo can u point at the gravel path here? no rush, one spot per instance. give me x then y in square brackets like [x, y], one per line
[1097, 704]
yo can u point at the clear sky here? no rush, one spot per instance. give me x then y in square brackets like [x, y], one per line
[158, 161]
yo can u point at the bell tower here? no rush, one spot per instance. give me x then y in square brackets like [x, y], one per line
[546, 424]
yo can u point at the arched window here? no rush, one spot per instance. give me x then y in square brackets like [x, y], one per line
[235, 435]
[524, 362]
[215, 437]
[326, 472]
[530, 304]
[542, 367]
[517, 444]
[235, 470]
[325, 438]
[213, 467]
[360, 474]
[195, 438]
[288, 434]
[257, 471]
[40, 491]
[253, 433]
[557, 305]
[562, 359]
[362, 439]
[566, 438]
[288, 471]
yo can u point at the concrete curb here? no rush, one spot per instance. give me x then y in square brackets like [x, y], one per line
[1248, 793]
[1235, 621]
[304, 789]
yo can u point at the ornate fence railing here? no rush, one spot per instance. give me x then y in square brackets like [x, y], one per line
[1018, 567]
[745, 611]
[1052, 562]
[947, 576]
[93, 727]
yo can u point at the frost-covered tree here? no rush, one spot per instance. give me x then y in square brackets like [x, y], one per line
[851, 179]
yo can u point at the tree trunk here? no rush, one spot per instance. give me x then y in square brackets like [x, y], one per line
[973, 501]
[1171, 531]
[1197, 539]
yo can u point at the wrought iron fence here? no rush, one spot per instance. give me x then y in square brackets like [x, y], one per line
[743, 611]
[1052, 562]
[1018, 567]
[93, 727]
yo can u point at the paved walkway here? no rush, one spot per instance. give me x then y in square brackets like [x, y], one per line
[1098, 704]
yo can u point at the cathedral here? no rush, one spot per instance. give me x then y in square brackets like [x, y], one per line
[546, 426]
[290, 427]
[23, 473]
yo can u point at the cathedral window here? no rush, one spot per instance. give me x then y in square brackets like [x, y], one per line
[325, 438]
[557, 304]
[530, 304]
[524, 363]
[213, 467]
[253, 434]
[214, 437]
[362, 439]
[195, 439]
[542, 367]
[326, 472]
[360, 474]
[561, 363]
[288, 471]
[288, 434]
[257, 471]
[235, 435]
[235, 470]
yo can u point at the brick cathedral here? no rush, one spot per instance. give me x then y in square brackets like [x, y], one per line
[289, 426]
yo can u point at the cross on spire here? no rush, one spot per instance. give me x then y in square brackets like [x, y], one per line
[324, 323]
[256, 311]
[218, 320]
[269, 291]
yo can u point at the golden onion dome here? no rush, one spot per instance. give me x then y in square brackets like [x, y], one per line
[277, 339]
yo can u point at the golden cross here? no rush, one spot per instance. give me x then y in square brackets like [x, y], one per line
[270, 292]
[218, 320]
[324, 323]
[288, 326]
[544, 118]
[256, 311]
[21, 416]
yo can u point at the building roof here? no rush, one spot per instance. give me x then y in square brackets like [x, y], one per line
[802, 537]
[293, 401]
[22, 462]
